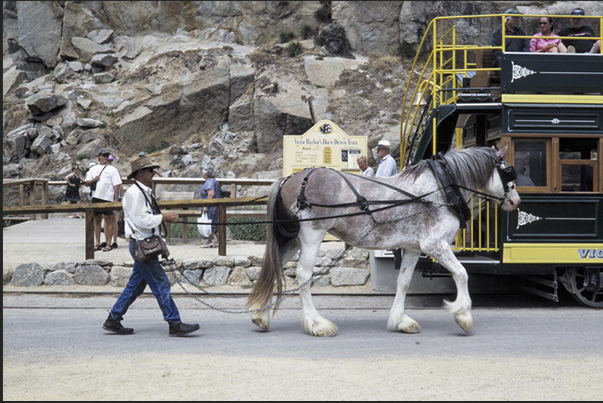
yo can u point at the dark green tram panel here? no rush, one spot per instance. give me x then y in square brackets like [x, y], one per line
[549, 72]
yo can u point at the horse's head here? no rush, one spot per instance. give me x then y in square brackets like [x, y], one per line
[502, 182]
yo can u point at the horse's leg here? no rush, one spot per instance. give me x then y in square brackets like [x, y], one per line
[461, 307]
[262, 318]
[398, 320]
[312, 322]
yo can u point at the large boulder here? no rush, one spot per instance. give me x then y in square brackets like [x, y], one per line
[371, 27]
[40, 30]
[43, 103]
[91, 274]
[79, 21]
[28, 275]
[190, 105]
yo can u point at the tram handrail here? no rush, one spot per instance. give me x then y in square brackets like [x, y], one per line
[408, 117]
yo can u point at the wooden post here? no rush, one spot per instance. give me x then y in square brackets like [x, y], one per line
[32, 196]
[21, 197]
[89, 233]
[222, 231]
[45, 197]
[185, 230]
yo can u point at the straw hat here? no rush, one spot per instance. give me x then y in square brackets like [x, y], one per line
[141, 163]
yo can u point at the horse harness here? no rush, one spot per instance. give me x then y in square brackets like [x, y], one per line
[452, 193]
[361, 201]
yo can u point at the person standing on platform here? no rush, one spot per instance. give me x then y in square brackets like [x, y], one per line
[211, 190]
[365, 170]
[387, 163]
[72, 194]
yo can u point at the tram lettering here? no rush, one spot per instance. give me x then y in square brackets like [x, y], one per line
[591, 253]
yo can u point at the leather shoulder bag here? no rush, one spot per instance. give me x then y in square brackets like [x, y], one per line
[153, 246]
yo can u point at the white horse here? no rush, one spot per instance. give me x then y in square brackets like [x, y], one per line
[409, 211]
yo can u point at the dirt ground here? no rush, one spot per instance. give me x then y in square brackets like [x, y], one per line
[209, 377]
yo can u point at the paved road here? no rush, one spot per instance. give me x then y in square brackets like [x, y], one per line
[54, 348]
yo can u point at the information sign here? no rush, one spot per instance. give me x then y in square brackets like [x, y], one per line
[324, 145]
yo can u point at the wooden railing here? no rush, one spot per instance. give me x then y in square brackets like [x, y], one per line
[33, 184]
[88, 208]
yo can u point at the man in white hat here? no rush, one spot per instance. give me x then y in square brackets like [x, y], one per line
[387, 163]
[142, 220]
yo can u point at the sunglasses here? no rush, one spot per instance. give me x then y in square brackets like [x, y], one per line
[105, 155]
[544, 23]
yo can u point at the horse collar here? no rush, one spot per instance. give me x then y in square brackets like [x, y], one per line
[453, 195]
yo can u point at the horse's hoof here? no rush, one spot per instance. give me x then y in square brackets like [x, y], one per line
[260, 323]
[323, 328]
[465, 321]
[409, 325]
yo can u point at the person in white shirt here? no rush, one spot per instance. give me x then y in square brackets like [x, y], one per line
[107, 181]
[142, 220]
[365, 170]
[387, 163]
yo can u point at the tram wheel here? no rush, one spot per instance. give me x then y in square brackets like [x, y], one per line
[586, 285]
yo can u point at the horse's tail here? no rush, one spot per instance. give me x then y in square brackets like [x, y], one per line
[271, 275]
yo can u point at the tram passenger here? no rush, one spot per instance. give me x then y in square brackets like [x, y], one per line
[547, 45]
[511, 44]
[578, 29]
[387, 163]
[520, 169]
[365, 170]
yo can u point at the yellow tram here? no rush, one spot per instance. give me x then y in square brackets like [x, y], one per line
[548, 109]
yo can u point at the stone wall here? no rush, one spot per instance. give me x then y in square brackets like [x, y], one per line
[350, 270]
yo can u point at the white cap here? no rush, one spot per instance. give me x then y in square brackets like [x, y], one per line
[384, 143]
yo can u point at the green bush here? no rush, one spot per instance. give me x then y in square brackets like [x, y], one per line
[285, 37]
[294, 49]
[193, 232]
[248, 232]
[308, 32]
[242, 232]
[164, 144]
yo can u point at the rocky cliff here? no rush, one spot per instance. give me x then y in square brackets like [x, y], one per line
[199, 83]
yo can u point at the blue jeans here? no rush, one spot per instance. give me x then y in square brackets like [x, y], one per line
[151, 273]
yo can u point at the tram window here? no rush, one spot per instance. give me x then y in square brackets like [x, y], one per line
[530, 163]
[577, 149]
[578, 159]
[577, 178]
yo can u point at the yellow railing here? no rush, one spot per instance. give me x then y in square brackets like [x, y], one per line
[481, 234]
[444, 69]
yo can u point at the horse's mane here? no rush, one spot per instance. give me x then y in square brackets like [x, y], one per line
[470, 167]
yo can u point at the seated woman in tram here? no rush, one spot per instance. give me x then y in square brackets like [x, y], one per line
[547, 45]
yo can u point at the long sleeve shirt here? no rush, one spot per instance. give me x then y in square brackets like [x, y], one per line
[387, 166]
[511, 44]
[138, 214]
